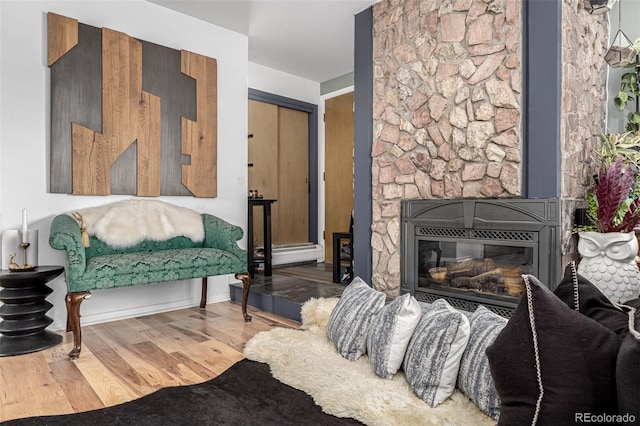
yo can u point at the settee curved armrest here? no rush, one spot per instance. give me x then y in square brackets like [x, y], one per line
[65, 235]
[223, 235]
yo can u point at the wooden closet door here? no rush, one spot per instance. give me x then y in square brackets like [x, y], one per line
[293, 177]
[338, 168]
[263, 159]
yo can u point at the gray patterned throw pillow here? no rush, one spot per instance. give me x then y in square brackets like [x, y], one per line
[474, 377]
[433, 356]
[389, 334]
[349, 322]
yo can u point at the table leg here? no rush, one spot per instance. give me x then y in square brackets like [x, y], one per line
[336, 258]
[267, 240]
[250, 241]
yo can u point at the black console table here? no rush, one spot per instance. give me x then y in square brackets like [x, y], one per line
[23, 319]
[337, 253]
[266, 214]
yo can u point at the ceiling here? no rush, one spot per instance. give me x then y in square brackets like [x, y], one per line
[312, 39]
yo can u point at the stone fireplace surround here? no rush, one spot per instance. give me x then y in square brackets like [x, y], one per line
[466, 107]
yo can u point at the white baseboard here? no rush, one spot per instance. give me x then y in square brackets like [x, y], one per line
[116, 315]
[287, 255]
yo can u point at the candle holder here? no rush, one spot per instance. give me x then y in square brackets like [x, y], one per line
[14, 267]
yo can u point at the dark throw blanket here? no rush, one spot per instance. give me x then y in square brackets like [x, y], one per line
[245, 394]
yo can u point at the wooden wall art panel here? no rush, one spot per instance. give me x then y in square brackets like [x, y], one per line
[197, 135]
[62, 35]
[129, 116]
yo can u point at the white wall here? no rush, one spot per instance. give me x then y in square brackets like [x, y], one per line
[283, 84]
[24, 137]
[630, 17]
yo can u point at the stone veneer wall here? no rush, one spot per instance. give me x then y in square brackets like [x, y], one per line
[584, 97]
[448, 107]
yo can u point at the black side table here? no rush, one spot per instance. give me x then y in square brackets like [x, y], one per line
[266, 215]
[337, 255]
[23, 319]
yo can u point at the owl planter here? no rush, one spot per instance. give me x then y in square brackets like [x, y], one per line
[608, 261]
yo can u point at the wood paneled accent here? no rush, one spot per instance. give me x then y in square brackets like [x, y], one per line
[263, 157]
[109, 133]
[124, 360]
[279, 154]
[62, 36]
[293, 178]
[199, 138]
[338, 168]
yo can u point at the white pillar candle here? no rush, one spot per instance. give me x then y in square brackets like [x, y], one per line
[24, 225]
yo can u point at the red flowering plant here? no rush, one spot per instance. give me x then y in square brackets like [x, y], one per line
[614, 204]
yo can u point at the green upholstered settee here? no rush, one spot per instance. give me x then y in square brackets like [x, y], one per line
[101, 266]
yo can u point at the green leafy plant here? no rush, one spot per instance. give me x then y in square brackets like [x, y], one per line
[614, 204]
[629, 92]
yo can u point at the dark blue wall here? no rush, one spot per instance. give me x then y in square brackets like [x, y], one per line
[542, 93]
[363, 142]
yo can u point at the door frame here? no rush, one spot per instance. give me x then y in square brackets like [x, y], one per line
[312, 110]
[323, 161]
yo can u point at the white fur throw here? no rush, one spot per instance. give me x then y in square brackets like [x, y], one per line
[307, 360]
[127, 223]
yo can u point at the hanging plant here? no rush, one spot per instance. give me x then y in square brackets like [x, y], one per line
[629, 92]
[622, 52]
[598, 7]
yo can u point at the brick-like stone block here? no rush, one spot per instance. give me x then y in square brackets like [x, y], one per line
[452, 27]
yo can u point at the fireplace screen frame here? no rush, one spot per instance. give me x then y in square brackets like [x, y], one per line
[516, 222]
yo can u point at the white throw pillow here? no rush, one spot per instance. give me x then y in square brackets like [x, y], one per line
[390, 333]
[433, 356]
[348, 326]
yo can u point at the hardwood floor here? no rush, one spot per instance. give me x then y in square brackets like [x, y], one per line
[124, 360]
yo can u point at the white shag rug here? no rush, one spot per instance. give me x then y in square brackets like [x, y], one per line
[306, 360]
[129, 222]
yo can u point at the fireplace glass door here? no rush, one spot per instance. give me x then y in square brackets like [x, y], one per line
[474, 268]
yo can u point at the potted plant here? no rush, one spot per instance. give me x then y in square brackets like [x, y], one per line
[625, 145]
[614, 204]
[608, 245]
[612, 201]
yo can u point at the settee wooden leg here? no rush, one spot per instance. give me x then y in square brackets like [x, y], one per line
[203, 297]
[73, 301]
[245, 277]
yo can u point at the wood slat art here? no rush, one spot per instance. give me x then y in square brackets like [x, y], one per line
[136, 131]
[62, 35]
[128, 115]
[199, 138]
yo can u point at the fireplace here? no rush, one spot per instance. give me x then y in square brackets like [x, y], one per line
[473, 252]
